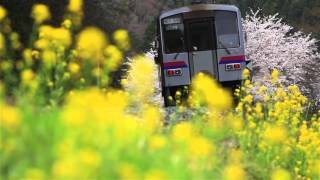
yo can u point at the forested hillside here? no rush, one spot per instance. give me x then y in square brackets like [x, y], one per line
[138, 16]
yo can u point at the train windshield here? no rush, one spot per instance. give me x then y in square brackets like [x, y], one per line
[227, 29]
[173, 30]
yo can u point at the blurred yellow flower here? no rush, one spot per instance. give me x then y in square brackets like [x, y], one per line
[96, 72]
[157, 142]
[200, 147]
[152, 119]
[66, 168]
[2, 88]
[35, 54]
[280, 174]
[75, 6]
[34, 173]
[42, 44]
[246, 73]
[316, 168]
[275, 134]
[248, 99]
[26, 76]
[207, 91]
[155, 175]
[183, 131]
[90, 158]
[40, 13]
[128, 171]
[236, 123]
[122, 39]
[236, 156]
[90, 44]
[53, 37]
[62, 36]
[234, 172]
[74, 68]
[67, 23]
[274, 76]
[114, 57]
[2, 43]
[83, 106]
[258, 110]
[3, 13]
[15, 40]
[50, 84]
[9, 117]
[49, 58]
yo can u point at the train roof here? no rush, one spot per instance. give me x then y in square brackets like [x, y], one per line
[198, 7]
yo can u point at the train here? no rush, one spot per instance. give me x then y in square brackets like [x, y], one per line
[206, 38]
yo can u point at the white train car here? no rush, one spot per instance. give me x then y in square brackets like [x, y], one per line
[204, 38]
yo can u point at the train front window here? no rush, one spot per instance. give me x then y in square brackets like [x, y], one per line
[200, 34]
[227, 29]
[173, 34]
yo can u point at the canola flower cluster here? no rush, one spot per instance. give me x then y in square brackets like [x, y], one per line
[61, 120]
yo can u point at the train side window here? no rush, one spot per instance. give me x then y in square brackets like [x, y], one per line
[227, 29]
[173, 35]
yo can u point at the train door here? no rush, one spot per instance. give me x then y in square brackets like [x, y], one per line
[202, 46]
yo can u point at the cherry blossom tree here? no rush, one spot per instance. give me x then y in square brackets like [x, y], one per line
[272, 44]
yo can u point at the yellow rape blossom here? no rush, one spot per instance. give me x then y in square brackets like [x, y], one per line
[246, 73]
[67, 23]
[90, 44]
[234, 171]
[83, 106]
[114, 57]
[26, 76]
[128, 171]
[155, 175]
[66, 168]
[15, 42]
[235, 156]
[121, 38]
[280, 174]
[9, 117]
[34, 173]
[40, 13]
[74, 68]
[275, 134]
[49, 58]
[200, 147]
[3, 13]
[152, 119]
[90, 158]
[248, 99]
[54, 37]
[35, 54]
[207, 91]
[2, 43]
[96, 72]
[258, 110]
[157, 142]
[275, 76]
[75, 6]
[183, 131]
